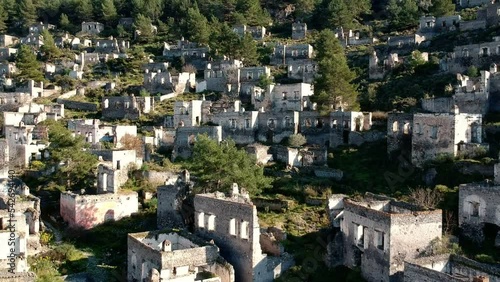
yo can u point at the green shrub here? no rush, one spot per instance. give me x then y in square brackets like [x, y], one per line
[484, 258]
[296, 140]
[46, 238]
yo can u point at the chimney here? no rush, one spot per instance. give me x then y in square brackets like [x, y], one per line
[235, 191]
[166, 246]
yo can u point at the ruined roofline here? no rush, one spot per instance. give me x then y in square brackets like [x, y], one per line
[371, 199]
[106, 196]
[236, 195]
[139, 236]
[480, 185]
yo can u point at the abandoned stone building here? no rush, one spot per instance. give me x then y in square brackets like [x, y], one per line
[451, 268]
[113, 168]
[405, 40]
[257, 32]
[165, 82]
[479, 204]
[170, 197]
[221, 76]
[175, 256]
[7, 53]
[377, 69]
[192, 52]
[352, 38]
[7, 69]
[472, 3]
[347, 128]
[111, 45]
[471, 96]
[86, 211]
[481, 55]
[430, 25]
[283, 97]
[287, 54]
[39, 27]
[299, 30]
[8, 40]
[34, 40]
[300, 157]
[26, 222]
[155, 66]
[95, 132]
[249, 77]
[126, 107]
[426, 136]
[379, 233]
[302, 71]
[489, 14]
[232, 223]
[92, 28]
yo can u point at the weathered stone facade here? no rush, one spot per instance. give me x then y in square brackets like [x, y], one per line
[174, 256]
[87, 211]
[170, 200]
[479, 203]
[185, 137]
[450, 268]
[257, 32]
[126, 107]
[233, 224]
[299, 30]
[380, 233]
[286, 54]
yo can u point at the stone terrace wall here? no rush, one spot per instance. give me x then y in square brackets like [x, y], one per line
[75, 105]
[417, 273]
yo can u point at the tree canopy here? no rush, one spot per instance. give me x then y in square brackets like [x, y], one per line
[74, 165]
[333, 86]
[27, 65]
[218, 166]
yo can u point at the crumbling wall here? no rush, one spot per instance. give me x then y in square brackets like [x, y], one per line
[487, 199]
[87, 211]
[76, 105]
[399, 139]
[433, 135]
[170, 199]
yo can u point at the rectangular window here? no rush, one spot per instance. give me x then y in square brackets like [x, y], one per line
[359, 236]
[379, 239]
[211, 222]
[201, 220]
[232, 227]
[232, 123]
[244, 230]
[474, 209]
[434, 131]
[296, 94]
[247, 123]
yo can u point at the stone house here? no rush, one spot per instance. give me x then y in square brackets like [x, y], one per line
[451, 268]
[471, 96]
[188, 113]
[192, 52]
[126, 107]
[111, 45]
[113, 168]
[286, 54]
[426, 136]
[479, 203]
[39, 27]
[377, 69]
[299, 30]
[283, 97]
[302, 70]
[250, 76]
[174, 256]
[257, 32]
[344, 125]
[22, 227]
[352, 38]
[87, 211]
[464, 56]
[379, 233]
[7, 53]
[300, 157]
[164, 82]
[33, 39]
[8, 40]
[94, 132]
[7, 69]
[239, 125]
[154, 67]
[92, 28]
[430, 25]
[232, 223]
[405, 40]
[222, 76]
[490, 14]
[88, 58]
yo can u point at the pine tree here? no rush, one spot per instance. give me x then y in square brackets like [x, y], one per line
[197, 28]
[108, 11]
[142, 24]
[64, 22]
[26, 13]
[333, 86]
[78, 164]
[84, 10]
[218, 166]
[3, 19]
[253, 12]
[441, 8]
[27, 65]
[49, 48]
[403, 14]
[248, 50]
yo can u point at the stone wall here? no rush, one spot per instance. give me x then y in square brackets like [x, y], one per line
[472, 25]
[76, 105]
[170, 200]
[17, 277]
[438, 105]
[478, 204]
[399, 132]
[272, 204]
[185, 137]
[325, 172]
[87, 211]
